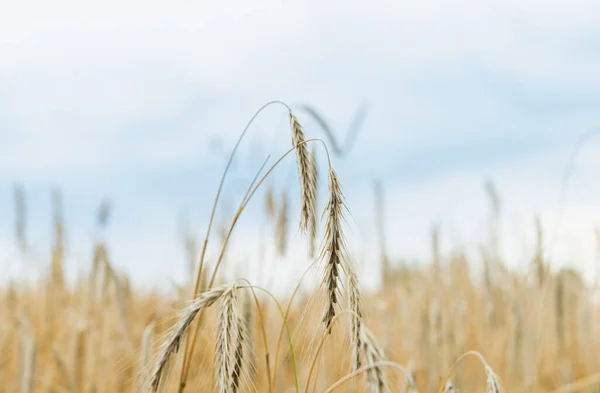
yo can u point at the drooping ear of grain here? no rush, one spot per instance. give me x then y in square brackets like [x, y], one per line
[376, 379]
[354, 300]
[307, 179]
[228, 330]
[333, 252]
[171, 346]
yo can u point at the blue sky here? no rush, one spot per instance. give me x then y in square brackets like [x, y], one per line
[141, 103]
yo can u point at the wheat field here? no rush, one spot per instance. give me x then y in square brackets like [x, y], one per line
[437, 327]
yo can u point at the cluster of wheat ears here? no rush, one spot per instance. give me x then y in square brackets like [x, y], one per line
[431, 329]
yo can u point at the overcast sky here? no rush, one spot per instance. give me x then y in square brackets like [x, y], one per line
[141, 102]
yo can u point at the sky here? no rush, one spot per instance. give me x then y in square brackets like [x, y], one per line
[141, 103]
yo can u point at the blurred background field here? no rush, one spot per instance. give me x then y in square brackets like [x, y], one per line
[102, 331]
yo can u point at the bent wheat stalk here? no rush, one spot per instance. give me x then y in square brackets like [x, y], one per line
[190, 345]
[493, 384]
[376, 365]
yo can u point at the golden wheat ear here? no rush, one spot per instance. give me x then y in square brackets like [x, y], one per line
[241, 356]
[334, 249]
[376, 379]
[354, 300]
[205, 300]
[230, 344]
[307, 178]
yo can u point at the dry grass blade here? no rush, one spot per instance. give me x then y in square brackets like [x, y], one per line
[307, 178]
[333, 251]
[206, 299]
